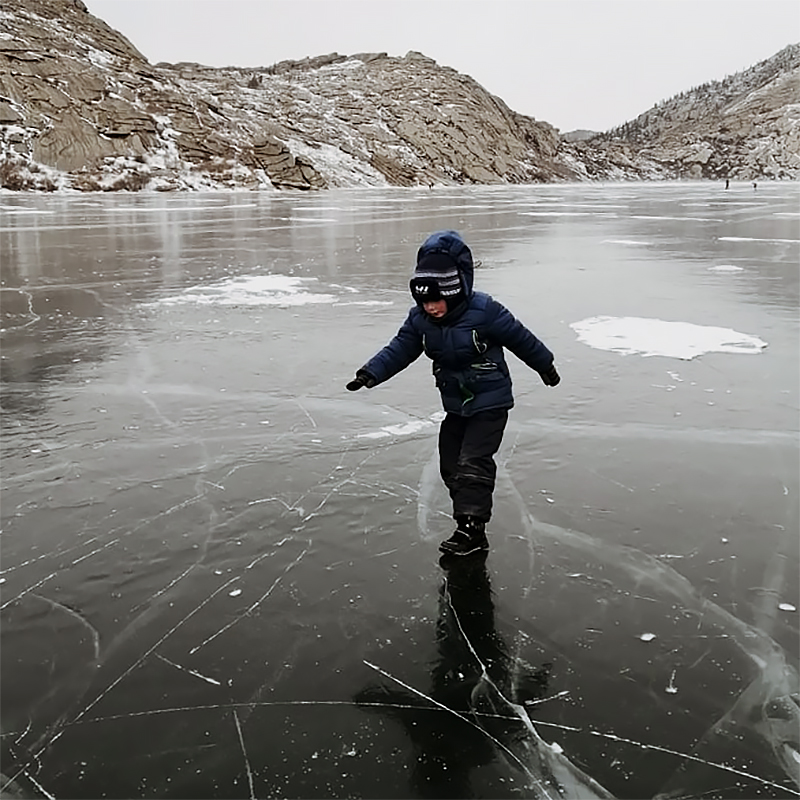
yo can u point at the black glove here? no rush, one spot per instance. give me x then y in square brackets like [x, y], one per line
[550, 377]
[363, 378]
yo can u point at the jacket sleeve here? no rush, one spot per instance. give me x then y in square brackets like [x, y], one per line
[508, 331]
[402, 350]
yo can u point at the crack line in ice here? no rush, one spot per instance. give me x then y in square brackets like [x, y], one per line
[644, 746]
[51, 554]
[462, 718]
[725, 767]
[152, 649]
[25, 732]
[547, 699]
[73, 613]
[305, 411]
[335, 488]
[519, 710]
[776, 677]
[279, 703]
[23, 770]
[166, 588]
[31, 312]
[190, 671]
[607, 478]
[38, 785]
[438, 709]
[253, 605]
[29, 589]
[244, 753]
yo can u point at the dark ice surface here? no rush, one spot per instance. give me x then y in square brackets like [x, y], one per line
[220, 574]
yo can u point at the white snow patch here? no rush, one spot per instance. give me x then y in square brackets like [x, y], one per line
[656, 337]
[726, 268]
[623, 241]
[562, 214]
[404, 428]
[366, 303]
[13, 210]
[787, 607]
[253, 290]
[676, 219]
[647, 637]
[335, 163]
[100, 58]
[751, 239]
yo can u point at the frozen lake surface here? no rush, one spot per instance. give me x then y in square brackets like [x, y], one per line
[219, 569]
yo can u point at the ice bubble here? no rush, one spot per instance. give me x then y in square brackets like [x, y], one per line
[647, 637]
[787, 607]
[235, 592]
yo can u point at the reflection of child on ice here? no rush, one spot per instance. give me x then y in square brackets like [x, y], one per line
[463, 332]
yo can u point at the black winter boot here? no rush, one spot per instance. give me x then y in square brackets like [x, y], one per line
[469, 537]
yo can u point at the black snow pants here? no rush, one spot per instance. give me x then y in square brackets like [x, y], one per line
[466, 460]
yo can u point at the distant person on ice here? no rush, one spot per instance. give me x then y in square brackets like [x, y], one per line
[463, 332]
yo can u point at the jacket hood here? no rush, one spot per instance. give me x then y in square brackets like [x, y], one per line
[451, 243]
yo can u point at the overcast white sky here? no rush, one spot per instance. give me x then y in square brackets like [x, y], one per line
[573, 63]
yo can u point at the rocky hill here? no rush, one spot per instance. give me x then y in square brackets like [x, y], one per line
[81, 108]
[746, 126]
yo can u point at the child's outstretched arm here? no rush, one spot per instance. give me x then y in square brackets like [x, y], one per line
[508, 331]
[405, 347]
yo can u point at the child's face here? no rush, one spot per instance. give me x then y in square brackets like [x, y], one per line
[436, 308]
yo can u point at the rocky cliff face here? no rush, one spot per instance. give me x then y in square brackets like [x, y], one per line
[82, 108]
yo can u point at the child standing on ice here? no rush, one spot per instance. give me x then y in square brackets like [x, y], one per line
[463, 332]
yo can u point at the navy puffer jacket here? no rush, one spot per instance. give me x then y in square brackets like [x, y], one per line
[466, 345]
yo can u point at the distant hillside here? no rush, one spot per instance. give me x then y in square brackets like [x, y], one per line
[82, 109]
[745, 126]
[579, 135]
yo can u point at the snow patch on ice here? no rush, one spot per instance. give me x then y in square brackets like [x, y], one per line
[656, 337]
[253, 290]
[726, 268]
[752, 239]
[17, 210]
[366, 303]
[404, 428]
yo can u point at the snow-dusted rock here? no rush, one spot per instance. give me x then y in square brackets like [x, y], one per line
[744, 127]
[81, 108]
